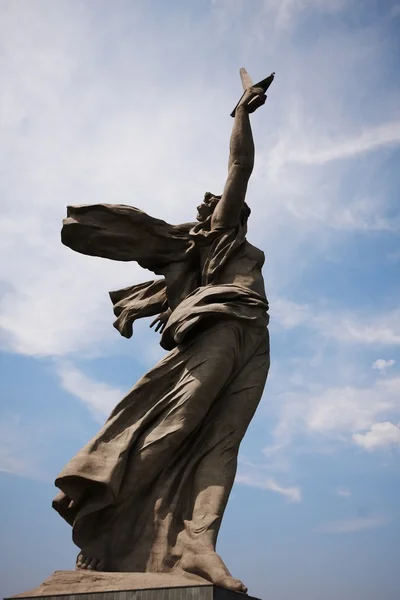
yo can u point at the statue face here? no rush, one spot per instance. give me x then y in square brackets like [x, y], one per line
[206, 208]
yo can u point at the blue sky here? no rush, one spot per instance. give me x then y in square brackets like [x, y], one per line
[129, 102]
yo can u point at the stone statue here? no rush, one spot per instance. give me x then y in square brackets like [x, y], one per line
[148, 492]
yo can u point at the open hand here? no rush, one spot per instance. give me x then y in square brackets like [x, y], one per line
[161, 320]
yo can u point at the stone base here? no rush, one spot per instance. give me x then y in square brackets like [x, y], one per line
[92, 585]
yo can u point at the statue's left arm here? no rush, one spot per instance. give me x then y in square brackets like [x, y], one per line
[241, 162]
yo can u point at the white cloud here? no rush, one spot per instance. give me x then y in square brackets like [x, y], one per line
[373, 138]
[99, 397]
[368, 329]
[332, 415]
[83, 143]
[290, 314]
[91, 114]
[255, 478]
[352, 525]
[382, 329]
[293, 494]
[343, 493]
[350, 408]
[380, 435]
[382, 365]
[285, 12]
[77, 139]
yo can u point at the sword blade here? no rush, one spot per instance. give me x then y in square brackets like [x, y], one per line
[265, 83]
[246, 79]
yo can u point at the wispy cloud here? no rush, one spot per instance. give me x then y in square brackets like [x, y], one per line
[90, 113]
[372, 138]
[382, 365]
[252, 476]
[99, 397]
[94, 144]
[285, 12]
[353, 525]
[83, 144]
[351, 327]
[293, 494]
[349, 408]
[380, 435]
[343, 493]
[335, 415]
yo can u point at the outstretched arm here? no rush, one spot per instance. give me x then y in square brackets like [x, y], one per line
[241, 162]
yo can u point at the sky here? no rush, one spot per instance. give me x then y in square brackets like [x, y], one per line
[128, 102]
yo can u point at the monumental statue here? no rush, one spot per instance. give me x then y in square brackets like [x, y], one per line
[148, 492]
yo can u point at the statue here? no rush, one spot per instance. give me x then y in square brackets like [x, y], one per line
[148, 492]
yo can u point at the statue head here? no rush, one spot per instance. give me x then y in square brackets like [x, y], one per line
[210, 201]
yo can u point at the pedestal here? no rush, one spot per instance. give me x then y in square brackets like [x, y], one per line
[92, 585]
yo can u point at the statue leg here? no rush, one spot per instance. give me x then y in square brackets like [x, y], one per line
[195, 377]
[216, 473]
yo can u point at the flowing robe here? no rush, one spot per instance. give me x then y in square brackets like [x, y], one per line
[159, 473]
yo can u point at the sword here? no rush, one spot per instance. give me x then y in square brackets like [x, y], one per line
[247, 82]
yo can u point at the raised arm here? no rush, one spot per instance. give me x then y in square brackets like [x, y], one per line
[241, 162]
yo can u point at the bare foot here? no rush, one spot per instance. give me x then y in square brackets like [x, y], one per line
[210, 566]
[89, 562]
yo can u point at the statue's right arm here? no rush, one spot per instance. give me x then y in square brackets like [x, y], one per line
[241, 161]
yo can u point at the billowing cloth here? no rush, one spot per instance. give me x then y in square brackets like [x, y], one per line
[154, 482]
[142, 300]
[158, 474]
[213, 301]
[218, 301]
[124, 233]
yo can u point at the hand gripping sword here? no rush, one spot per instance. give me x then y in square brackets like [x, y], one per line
[247, 82]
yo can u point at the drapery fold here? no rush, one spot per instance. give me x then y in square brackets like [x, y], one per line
[137, 301]
[124, 233]
[156, 478]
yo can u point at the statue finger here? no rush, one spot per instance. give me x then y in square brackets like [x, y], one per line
[155, 321]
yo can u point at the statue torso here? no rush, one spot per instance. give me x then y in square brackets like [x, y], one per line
[243, 268]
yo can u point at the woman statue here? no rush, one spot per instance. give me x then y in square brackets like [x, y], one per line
[148, 492]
